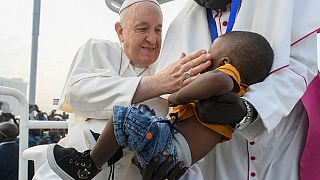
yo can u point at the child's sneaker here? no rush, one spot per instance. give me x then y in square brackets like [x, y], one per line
[70, 164]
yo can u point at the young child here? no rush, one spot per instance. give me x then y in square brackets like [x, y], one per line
[188, 139]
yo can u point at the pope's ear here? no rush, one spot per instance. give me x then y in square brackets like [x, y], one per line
[119, 31]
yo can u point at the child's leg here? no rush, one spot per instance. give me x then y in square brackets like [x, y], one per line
[106, 146]
[135, 128]
[143, 132]
[201, 139]
[70, 164]
[125, 119]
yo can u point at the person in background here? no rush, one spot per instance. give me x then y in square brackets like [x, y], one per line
[34, 137]
[9, 151]
[106, 73]
[55, 135]
[281, 141]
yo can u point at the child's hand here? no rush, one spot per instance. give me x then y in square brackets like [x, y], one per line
[172, 100]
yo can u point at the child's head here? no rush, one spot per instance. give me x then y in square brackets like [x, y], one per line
[249, 52]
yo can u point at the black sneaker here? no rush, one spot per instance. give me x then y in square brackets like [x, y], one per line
[70, 164]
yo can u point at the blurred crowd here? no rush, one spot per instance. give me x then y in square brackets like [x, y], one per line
[9, 139]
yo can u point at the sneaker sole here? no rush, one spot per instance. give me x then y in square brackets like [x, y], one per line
[54, 166]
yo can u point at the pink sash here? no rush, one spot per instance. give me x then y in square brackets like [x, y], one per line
[310, 160]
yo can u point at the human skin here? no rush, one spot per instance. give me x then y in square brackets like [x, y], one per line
[141, 38]
[200, 89]
[177, 172]
[141, 35]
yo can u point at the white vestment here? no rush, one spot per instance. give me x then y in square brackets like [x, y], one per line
[271, 147]
[95, 84]
[277, 137]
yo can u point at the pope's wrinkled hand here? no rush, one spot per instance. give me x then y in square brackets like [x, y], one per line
[172, 78]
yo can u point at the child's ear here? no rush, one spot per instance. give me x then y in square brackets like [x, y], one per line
[224, 60]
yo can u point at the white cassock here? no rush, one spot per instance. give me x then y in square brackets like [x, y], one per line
[277, 137]
[95, 83]
[271, 147]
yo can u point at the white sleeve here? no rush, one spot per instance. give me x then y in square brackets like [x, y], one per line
[292, 33]
[94, 86]
[275, 97]
[194, 172]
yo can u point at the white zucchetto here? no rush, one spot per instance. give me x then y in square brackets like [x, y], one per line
[128, 3]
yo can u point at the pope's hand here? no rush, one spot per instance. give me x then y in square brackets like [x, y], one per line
[182, 72]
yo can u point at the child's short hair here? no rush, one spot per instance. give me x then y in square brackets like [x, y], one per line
[253, 55]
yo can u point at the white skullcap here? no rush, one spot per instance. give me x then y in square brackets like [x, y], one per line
[128, 3]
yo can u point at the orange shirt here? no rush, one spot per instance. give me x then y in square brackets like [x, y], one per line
[187, 110]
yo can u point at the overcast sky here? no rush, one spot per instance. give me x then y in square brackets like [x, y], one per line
[65, 25]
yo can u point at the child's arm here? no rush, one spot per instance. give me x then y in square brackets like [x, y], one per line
[209, 84]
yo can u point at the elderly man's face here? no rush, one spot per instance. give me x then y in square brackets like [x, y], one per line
[141, 34]
[213, 4]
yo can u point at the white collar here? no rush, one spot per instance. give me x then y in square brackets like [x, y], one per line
[126, 63]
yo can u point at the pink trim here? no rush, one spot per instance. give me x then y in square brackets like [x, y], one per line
[287, 66]
[278, 69]
[304, 78]
[309, 161]
[317, 31]
[302, 38]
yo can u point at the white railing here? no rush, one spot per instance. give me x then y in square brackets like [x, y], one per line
[25, 124]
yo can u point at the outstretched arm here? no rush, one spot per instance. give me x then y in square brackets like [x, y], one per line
[212, 83]
[95, 86]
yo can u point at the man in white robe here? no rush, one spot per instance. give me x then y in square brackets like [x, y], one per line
[102, 75]
[271, 147]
